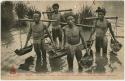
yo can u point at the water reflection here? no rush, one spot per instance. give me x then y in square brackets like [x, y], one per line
[6, 38]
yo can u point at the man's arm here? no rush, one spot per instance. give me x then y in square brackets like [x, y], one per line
[111, 31]
[28, 36]
[64, 38]
[92, 33]
[62, 19]
[83, 41]
[94, 29]
[47, 31]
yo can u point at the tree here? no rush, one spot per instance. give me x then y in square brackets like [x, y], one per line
[7, 16]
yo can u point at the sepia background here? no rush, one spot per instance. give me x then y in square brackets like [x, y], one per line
[10, 39]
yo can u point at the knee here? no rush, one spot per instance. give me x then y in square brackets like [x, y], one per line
[70, 57]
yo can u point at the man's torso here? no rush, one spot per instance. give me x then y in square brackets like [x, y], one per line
[72, 35]
[58, 18]
[101, 28]
[37, 31]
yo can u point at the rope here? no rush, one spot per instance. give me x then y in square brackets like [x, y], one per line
[29, 27]
[20, 35]
[116, 26]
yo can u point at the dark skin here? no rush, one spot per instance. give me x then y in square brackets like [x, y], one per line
[56, 9]
[101, 16]
[37, 31]
[67, 33]
[56, 27]
[101, 28]
[37, 22]
[72, 36]
[36, 18]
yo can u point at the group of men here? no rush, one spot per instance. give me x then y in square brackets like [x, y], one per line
[71, 35]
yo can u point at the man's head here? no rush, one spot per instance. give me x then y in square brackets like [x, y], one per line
[55, 7]
[70, 20]
[37, 16]
[101, 12]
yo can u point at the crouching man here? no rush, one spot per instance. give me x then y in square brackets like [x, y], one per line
[36, 30]
[72, 35]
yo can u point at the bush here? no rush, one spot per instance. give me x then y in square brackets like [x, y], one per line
[7, 16]
[85, 12]
[21, 10]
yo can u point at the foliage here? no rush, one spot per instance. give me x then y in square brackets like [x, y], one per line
[7, 16]
[85, 12]
[21, 10]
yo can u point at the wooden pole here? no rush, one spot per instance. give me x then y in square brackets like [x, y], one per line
[59, 11]
[92, 18]
[91, 26]
[31, 20]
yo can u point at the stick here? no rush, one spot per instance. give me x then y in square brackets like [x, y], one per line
[88, 18]
[59, 11]
[31, 20]
[79, 25]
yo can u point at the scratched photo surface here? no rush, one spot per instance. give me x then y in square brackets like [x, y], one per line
[63, 44]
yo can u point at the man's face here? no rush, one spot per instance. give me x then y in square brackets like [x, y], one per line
[55, 9]
[101, 15]
[70, 20]
[36, 17]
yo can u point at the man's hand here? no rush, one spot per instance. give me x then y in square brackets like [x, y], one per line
[94, 65]
[65, 47]
[25, 45]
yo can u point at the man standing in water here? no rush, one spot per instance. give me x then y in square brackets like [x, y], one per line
[37, 29]
[56, 27]
[101, 27]
[72, 35]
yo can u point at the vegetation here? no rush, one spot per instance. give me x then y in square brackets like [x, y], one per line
[85, 12]
[7, 16]
[23, 11]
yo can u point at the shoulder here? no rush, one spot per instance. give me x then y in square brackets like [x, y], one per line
[41, 23]
[59, 13]
[95, 21]
[107, 21]
[77, 27]
[65, 27]
[32, 23]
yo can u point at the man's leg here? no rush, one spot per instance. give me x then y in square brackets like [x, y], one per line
[38, 60]
[98, 46]
[105, 45]
[54, 36]
[60, 38]
[43, 56]
[78, 54]
[70, 58]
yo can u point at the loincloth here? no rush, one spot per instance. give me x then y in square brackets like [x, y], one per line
[38, 41]
[72, 48]
[101, 41]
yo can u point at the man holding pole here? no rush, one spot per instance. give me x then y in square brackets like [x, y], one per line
[101, 27]
[56, 27]
[72, 36]
[37, 30]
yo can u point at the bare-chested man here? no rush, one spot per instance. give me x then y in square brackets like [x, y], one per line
[37, 31]
[56, 27]
[72, 35]
[101, 27]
